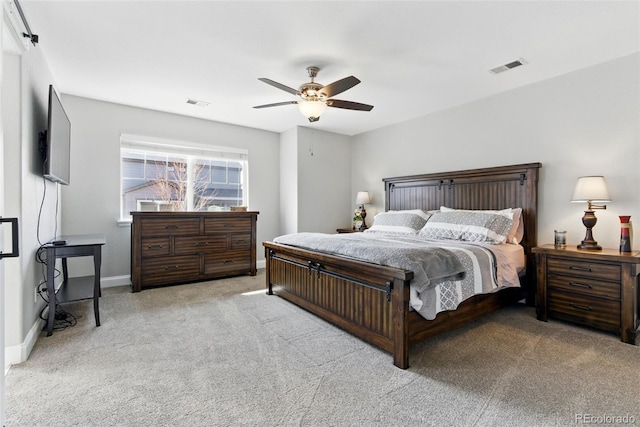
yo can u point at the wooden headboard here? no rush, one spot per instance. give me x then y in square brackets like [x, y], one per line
[488, 188]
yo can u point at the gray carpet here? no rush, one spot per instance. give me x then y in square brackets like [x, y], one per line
[206, 355]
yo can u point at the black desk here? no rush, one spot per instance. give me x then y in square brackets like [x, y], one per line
[74, 288]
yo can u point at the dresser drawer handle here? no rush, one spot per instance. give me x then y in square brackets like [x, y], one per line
[168, 227]
[155, 246]
[172, 267]
[581, 307]
[580, 268]
[580, 285]
[202, 244]
[229, 261]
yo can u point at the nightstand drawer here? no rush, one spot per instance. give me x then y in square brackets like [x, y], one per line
[576, 267]
[595, 312]
[584, 286]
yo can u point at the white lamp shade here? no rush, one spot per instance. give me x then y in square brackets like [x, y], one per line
[363, 198]
[591, 189]
[311, 108]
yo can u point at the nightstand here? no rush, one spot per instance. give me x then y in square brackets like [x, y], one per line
[592, 288]
[348, 230]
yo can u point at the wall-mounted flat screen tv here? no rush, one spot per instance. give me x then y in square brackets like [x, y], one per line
[57, 142]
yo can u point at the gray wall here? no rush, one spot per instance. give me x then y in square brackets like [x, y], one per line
[25, 86]
[92, 201]
[314, 180]
[324, 175]
[582, 123]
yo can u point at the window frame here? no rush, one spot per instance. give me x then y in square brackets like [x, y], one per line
[193, 153]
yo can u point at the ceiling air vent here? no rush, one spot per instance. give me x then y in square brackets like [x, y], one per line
[509, 66]
[198, 103]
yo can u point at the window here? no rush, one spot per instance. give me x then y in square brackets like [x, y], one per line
[160, 175]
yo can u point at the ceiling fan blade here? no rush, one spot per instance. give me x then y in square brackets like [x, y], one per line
[277, 104]
[349, 105]
[279, 86]
[339, 86]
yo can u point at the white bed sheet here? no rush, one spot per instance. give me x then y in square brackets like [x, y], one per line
[511, 262]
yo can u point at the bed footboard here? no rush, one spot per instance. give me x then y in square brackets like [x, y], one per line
[367, 300]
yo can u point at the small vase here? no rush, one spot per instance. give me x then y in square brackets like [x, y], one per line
[625, 233]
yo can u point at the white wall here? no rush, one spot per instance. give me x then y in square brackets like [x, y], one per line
[92, 201]
[583, 123]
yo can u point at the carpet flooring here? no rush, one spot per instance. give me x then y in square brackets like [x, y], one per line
[223, 353]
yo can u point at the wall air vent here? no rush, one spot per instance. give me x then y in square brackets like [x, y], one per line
[507, 67]
[198, 103]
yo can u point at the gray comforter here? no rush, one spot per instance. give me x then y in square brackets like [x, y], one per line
[445, 272]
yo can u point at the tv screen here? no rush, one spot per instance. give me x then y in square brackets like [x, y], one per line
[57, 140]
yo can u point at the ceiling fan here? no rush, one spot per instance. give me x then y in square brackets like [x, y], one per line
[315, 98]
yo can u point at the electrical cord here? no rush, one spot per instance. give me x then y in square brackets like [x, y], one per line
[63, 319]
[44, 196]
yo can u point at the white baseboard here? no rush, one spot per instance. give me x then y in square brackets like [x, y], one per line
[113, 281]
[16, 354]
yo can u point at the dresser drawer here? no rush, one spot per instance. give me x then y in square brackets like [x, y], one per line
[236, 261]
[595, 312]
[584, 286]
[240, 241]
[154, 246]
[155, 271]
[574, 267]
[230, 225]
[190, 245]
[169, 226]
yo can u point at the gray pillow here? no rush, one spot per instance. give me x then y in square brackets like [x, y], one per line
[469, 226]
[401, 222]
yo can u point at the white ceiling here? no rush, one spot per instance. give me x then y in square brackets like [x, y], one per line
[413, 57]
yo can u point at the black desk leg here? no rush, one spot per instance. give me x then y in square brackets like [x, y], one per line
[51, 289]
[97, 260]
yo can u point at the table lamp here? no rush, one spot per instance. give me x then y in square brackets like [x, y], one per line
[363, 198]
[590, 189]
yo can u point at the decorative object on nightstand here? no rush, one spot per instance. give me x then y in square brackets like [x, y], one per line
[560, 238]
[362, 198]
[592, 288]
[590, 189]
[625, 233]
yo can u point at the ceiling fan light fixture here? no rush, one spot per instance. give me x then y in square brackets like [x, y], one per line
[312, 109]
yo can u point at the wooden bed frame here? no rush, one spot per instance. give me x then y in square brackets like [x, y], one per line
[372, 301]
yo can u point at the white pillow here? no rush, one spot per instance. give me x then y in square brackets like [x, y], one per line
[402, 222]
[516, 233]
[469, 226]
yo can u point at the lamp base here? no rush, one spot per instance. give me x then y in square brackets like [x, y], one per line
[589, 246]
[363, 214]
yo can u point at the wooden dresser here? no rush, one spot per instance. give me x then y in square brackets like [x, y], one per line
[179, 247]
[592, 288]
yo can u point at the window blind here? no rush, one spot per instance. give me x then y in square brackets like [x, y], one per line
[167, 146]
